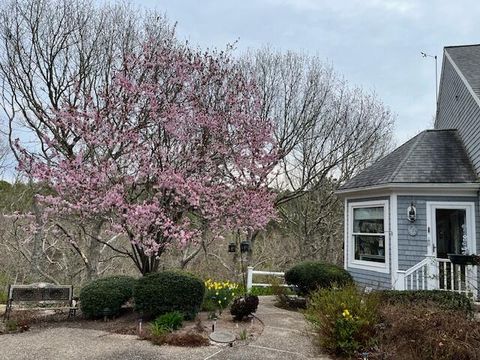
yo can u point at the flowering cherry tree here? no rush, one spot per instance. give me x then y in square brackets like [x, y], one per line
[175, 145]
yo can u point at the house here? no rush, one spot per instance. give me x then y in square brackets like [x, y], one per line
[408, 211]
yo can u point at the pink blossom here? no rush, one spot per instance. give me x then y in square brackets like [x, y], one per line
[179, 135]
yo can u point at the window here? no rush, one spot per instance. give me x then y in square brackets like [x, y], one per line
[369, 234]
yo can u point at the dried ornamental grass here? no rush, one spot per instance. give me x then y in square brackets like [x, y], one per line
[425, 332]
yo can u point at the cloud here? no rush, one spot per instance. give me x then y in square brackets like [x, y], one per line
[353, 7]
[401, 7]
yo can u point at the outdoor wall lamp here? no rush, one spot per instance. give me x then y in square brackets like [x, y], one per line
[412, 213]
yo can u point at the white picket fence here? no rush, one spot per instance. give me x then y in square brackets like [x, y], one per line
[251, 273]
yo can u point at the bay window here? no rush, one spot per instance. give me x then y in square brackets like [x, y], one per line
[368, 227]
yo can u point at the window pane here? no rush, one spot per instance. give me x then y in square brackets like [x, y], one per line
[370, 248]
[368, 220]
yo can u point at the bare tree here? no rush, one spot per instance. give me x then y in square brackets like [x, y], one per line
[4, 153]
[59, 54]
[327, 131]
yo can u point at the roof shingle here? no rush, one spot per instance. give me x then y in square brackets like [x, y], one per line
[467, 59]
[433, 156]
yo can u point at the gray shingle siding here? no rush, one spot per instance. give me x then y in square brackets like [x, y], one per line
[467, 59]
[411, 249]
[374, 279]
[457, 109]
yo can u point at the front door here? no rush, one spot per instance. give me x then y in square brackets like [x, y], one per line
[451, 234]
[452, 231]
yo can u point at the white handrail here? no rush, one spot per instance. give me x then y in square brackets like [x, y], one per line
[418, 273]
[417, 266]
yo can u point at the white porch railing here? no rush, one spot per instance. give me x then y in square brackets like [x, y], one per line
[439, 274]
[251, 273]
[415, 278]
[454, 277]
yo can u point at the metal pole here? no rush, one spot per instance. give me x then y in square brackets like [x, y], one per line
[436, 74]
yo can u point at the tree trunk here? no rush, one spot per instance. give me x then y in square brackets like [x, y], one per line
[37, 242]
[93, 252]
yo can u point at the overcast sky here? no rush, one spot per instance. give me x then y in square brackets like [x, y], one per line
[375, 44]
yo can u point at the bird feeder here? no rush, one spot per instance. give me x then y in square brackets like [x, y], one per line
[244, 246]
[232, 247]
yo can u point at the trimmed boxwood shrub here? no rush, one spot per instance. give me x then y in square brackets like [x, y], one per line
[159, 293]
[106, 293]
[309, 276]
[446, 300]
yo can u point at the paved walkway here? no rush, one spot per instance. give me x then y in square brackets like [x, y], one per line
[284, 337]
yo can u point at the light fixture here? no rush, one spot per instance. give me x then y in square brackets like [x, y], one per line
[412, 213]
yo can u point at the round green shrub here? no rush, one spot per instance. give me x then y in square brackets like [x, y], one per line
[309, 276]
[159, 293]
[106, 293]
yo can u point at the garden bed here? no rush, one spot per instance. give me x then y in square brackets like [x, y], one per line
[406, 325]
[426, 332]
[128, 324]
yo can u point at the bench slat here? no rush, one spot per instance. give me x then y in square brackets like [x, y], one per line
[40, 293]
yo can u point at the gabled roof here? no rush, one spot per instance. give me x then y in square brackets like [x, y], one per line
[433, 156]
[467, 60]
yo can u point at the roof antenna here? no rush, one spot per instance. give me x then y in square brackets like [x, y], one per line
[436, 73]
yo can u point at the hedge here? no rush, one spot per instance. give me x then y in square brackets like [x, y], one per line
[446, 300]
[309, 276]
[108, 293]
[159, 293]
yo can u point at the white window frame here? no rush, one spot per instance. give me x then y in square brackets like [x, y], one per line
[363, 264]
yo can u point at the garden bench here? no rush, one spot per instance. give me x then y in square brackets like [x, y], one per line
[47, 296]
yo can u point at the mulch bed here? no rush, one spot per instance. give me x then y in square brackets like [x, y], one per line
[127, 323]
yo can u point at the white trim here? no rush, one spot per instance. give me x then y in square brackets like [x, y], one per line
[462, 77]
[429, 229]
[368, 265]
[470, 218]
[437, 193]
[421, 188]
[394, 238]
[471, 227]
[440, 92]
[345, 235]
